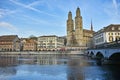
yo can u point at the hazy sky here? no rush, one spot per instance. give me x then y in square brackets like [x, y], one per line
[48, 17]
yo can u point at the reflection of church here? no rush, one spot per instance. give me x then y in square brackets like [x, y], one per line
[76, 35]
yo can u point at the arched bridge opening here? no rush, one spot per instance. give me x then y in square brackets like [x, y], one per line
[115, 57]
[87, 53]
[91, 54]
[99, 58]
[99, 55]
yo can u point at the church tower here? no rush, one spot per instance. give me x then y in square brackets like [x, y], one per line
[77, 37]
[79, 28]
[70, 28]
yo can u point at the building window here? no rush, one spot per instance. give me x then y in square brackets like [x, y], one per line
[113, 28]
[118, 28]
[111, 33]
[110, 38]
[117, 38]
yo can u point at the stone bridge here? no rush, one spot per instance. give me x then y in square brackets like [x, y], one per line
[105, 54]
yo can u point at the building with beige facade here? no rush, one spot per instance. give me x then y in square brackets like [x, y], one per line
[50, 42]
[108, 34]
[29, 44]
[9, 43]
[76, 35]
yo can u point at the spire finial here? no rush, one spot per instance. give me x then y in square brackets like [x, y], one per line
[78, 12]
[70, 15]
[91, 25]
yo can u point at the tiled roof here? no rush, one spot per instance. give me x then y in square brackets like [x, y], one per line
[7, 38]
[116, 27]
[87, 31]
[109, 28]
[49, 36]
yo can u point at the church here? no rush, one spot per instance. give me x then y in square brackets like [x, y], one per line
[76, 35]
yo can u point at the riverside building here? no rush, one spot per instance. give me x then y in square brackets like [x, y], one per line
[29, 44]
[50, 42]
[108, 34]
[9, 43]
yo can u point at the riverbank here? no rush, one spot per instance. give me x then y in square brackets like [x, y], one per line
[40, 52]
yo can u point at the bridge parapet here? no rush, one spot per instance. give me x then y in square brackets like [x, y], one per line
[105, 52]
[105, 56]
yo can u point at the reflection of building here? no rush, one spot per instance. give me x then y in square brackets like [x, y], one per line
[9, 43]
[75, 70]
[6, 61]
[76, 35]
[107, 34]
[51, 42]
[47, 59]
[29, 44]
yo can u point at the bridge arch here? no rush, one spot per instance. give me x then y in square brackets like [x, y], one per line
[115, 56]
[99, 55]
[91, 54]
[87, 53]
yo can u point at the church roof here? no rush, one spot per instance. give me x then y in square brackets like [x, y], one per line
[87, 31]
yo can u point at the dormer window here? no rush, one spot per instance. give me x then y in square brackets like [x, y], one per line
[113, 28]
[118, 28]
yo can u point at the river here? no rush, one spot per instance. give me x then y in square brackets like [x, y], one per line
[55, 67]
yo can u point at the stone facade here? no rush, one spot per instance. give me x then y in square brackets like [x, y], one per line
[9, 43]
[29, 44]
[51, 42]
[108, 34]
[76, 35]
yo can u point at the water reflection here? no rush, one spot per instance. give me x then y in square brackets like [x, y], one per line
[113, 72]
[6, 61]
[54, 67]
[75, 68]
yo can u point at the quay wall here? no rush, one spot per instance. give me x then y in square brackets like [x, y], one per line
[41, 52]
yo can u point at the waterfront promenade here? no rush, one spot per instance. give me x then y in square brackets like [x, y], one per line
[40, 52]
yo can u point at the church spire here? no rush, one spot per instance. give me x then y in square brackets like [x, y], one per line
[78, 12]
[91, 26]
[70, 15]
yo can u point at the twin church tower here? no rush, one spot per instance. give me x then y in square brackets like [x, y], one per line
[76, 35]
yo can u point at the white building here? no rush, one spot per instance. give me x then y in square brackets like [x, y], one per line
[107, 34]
[51, 42]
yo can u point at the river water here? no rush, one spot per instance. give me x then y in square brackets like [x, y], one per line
[55, 67]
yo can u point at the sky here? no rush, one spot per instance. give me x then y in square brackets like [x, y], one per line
[48, 17]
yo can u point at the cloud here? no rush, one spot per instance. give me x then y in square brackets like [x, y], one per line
[35, 3]
[8, 26]
[43, 22]
[29, 6]
[115, 3]
[4, 12]
[112, 9]
[115, 6]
